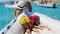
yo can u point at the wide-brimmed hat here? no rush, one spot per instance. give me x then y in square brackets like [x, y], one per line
[20, 5]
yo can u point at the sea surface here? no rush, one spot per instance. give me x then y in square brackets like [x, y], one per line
[50, 12]
[7, 14]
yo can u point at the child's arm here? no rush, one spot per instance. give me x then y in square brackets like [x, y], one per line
[42, 26]
[45, 26]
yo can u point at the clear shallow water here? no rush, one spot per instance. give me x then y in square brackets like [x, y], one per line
[7, 14]
[51, 12]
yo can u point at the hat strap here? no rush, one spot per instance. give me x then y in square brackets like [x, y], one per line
[20, 7]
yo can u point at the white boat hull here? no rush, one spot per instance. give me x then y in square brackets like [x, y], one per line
[10, 6]
[54, 25]
[4, 30]
[45, 5]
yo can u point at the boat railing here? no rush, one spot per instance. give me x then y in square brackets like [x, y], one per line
[4, 30]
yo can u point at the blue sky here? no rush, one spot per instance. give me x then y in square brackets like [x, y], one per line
[5, 0]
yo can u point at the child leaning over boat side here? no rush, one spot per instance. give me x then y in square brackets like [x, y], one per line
[22, 18]
[34, 19]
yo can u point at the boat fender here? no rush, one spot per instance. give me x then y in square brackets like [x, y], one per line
[54, 5]
[8, 27]
[14, 20]
[2, 32]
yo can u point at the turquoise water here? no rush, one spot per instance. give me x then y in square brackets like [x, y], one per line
[7, 14]
[51, 12]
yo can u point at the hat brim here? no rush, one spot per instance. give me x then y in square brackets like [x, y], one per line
[19, 7]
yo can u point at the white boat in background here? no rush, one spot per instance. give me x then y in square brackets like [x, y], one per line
[11, 5]
[52, 4]
[17, 28]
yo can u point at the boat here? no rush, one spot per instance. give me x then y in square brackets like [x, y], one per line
[11, 4]
[17, 28]
[51, 4]
[4, 30]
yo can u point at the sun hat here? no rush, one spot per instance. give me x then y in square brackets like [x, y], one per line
[20, 5]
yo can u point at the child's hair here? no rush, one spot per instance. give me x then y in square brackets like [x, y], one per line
[30, 7]
[18, 13]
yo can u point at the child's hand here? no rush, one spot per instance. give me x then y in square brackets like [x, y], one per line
[38, 27]
[35, 30]
[47, 28]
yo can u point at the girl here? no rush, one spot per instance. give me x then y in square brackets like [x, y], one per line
[22, 18]
[34, 20]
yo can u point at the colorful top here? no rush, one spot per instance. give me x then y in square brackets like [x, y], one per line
[24, 20]
[29, 14]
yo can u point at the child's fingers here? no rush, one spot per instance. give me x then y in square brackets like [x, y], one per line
[38, 27]
[47, 27]
[35, 30]
[38, 32]
[35, 26]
